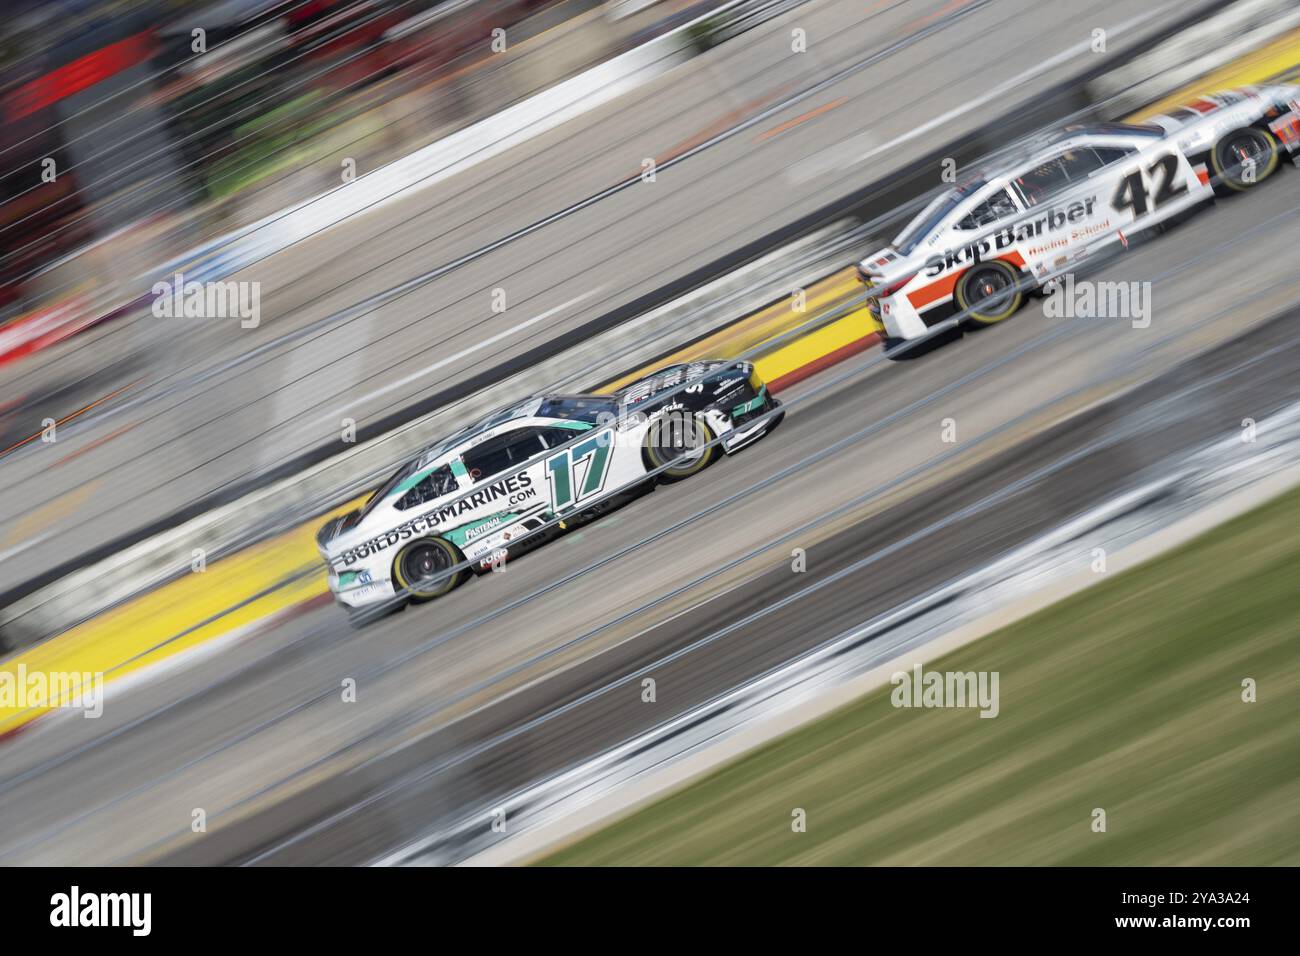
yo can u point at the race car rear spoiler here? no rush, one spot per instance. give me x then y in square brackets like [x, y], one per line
[874, 265]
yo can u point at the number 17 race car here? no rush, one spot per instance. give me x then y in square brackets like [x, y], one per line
[1039, 208]
[520, 476]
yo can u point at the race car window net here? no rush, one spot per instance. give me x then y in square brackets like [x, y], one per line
[556, 436]
[459, 436]
[505, 451]
[1145, 130]
[998, 206]
[1044, 180]
[433, 485]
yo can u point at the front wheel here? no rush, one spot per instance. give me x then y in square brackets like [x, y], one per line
[420, 569]
[683, 440]
[990, 292]
[1244, 157]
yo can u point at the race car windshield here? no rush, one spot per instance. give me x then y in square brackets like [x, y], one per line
[933, 214]
[387, 488]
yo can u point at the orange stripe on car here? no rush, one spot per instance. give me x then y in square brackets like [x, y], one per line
[943, 288]
[939, 289]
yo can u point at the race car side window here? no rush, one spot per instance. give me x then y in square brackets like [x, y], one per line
[556, 436]
[502, 452]
[437, 483]
[1044, 180]
[998, 206]
[1111, 154]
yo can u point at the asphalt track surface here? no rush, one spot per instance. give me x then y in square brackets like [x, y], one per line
[257, 734]
[201, 414]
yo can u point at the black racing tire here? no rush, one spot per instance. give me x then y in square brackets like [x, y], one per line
[1231, 153]
[989, 292]
[673, 436]
[423, 559]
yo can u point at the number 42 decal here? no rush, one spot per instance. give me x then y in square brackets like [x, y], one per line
[583, 466]
[1133, 193]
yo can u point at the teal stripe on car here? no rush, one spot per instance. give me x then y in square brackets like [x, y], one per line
[749, 406]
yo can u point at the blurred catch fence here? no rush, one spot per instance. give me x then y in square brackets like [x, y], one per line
[376, 108]
[182, 147]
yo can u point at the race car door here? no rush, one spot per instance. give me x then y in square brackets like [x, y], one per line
[497, 483]
[1068, 199]
[577, 473]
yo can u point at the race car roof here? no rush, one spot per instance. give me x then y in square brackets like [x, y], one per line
[524, 409]
[1004, 162]
[571, 407]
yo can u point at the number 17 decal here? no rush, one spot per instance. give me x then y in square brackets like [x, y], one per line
[583, 466]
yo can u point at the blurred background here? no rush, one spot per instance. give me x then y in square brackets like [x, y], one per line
[639, 182]
[167, 145]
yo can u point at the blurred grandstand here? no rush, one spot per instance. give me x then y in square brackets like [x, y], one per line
[155, 146]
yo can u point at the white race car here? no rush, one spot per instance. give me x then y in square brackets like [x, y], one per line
[515, 479]
[1037, 209]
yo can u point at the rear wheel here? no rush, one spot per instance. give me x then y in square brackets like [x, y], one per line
[1244, 158]
[990, 292]
[419, 568]
[683, 440]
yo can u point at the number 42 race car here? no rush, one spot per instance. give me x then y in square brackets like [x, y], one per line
[1034, 211]
[520, 476]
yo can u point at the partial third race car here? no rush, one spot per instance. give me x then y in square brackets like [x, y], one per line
[518, 477]
[1039, 208]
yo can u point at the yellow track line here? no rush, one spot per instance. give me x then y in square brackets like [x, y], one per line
[807, 349]
[753, 330]
[153, 627]
[1269, 61]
